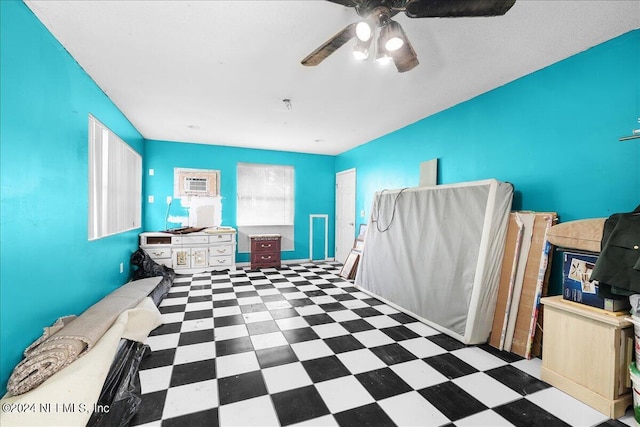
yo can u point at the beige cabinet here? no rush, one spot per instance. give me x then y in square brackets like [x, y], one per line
[586, 353]
[208, 250]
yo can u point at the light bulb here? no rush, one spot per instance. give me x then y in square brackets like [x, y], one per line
[363, 31]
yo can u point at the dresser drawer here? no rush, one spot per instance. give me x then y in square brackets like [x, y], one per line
[220, 261]
[189, 240]
[159, 252]
[221, 250]
[265, 245]
[220, 238]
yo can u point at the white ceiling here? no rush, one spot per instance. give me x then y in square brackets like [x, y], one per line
[216, 72]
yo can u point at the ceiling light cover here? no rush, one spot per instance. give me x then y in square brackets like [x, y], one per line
[363, 31]
[361, 50]
[392, 36]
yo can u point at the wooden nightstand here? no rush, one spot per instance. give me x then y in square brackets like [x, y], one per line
[265, 251]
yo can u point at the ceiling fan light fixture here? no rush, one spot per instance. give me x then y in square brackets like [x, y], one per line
[363, 31]
[361, 50]
[392, 36]
[382, 56]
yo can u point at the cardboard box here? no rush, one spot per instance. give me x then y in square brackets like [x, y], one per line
[577, 285]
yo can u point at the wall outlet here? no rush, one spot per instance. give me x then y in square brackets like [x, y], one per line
[122, 267]
[151, 199]
[151, 172]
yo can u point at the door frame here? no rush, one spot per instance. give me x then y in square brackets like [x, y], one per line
[355, 183]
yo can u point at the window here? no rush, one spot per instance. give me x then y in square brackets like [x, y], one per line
[115, 183]
[265, 202]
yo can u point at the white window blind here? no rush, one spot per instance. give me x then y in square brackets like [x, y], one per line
[265, 203]
[115, 183]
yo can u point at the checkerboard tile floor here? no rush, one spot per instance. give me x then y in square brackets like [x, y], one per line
[301, 346]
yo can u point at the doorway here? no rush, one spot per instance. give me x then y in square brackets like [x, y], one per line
[345, 213]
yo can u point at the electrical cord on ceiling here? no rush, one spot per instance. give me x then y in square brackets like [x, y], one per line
[377, 210]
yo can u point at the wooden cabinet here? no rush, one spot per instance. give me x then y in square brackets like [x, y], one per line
[208, 250]
[265, 251]
[586, 353]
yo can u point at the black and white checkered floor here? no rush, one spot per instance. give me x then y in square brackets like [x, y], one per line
[301, 346]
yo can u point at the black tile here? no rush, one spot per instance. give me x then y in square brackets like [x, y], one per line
[233, 346]
[299, 405]
[199, 298]
[240, 387]
[333, 306]
[150, 408]
[517, 380]
[318, 319]
[523, 413]
[452, 401]
[200, 287]
[283, 313]
[343, 343]
[400, 333]
[158, 358]
[357, 325]
[246, 294]
[220, 280]
[187, 373]
[276, 356]
[383, 383]
[234, 319]
[366, 312]
[325, 368]
[450, 366]
[257, 328]
[167, 328]
[402, 318]
[225, 303]
[195, 337]
[198, 278]
[268, 285]
[446, 342]
[343, 297]
[301, 283]
[504, 355]
[272, 298]
[172, 309]
[370, 415]
[316, 293]
[612, 423]
[393, 353]
[222, 290]
[300, 302]
[351, 289]
[202, 418]
[253, 308]
[178, 294]
[288, 290]
[200, 314]
[300, 335]
[372, 301]
[326, 286]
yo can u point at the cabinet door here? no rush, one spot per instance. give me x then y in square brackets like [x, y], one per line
[199, 257]
[181, 258]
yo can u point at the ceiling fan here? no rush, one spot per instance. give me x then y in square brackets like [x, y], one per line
[392, 43]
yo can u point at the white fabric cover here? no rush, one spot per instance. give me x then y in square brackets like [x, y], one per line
[440, 258]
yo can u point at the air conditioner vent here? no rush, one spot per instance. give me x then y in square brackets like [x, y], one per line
[196, 185]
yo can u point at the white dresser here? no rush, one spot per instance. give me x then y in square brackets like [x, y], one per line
[207, 250]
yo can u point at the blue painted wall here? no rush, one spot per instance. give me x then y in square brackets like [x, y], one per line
[553, 134]
[314, 184]
[49, 268]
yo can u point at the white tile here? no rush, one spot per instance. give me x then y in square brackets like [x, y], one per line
[292, 323]
[354, 303]
[343, 315]
[155, 379]
[258, 411]
[272, 339]
[286, 377]
[162, 342]
[197, 324]
[199, 292]
[478, 358]
[190, 398]
[486, 389]
[385, 309]
[258, 316]
[418, 374]
[330, 330]
[362, 360]
[269, 291]
[343, 393]
[249, 300]
[222, 297]
[360, 295]
[334, 291]
[229, 332]
[314, 349]
[308, 310]
[172, 317]
[326, 421]
[307, 288]
[281, 285]
[261, 281]
[567, 408]
[411, 409]
[324, 299]
[244, 288]
[421, 329]
[226, 311]
[484, 419]
[373, 338]
[234, 364]
[531, 366]
[277, 305]
[222, 285]
[197, 306]
[422, 347]
[173, 301]
[382, 321]
[295, 295]
[195, 352]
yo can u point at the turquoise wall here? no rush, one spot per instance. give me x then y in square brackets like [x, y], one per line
[314, 185]
[49, 268]
[553, 134]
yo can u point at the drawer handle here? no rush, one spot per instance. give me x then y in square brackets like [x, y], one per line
[157, 253]
[221, 261]
[266, 257]
[265, 245]
[221, 251]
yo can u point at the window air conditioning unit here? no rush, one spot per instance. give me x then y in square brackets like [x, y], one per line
[196, 182]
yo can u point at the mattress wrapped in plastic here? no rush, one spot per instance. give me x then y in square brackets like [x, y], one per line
[436, 253]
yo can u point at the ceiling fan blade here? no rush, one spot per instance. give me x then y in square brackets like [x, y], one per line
[330, 46]
[405, 58]
[456, 8]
